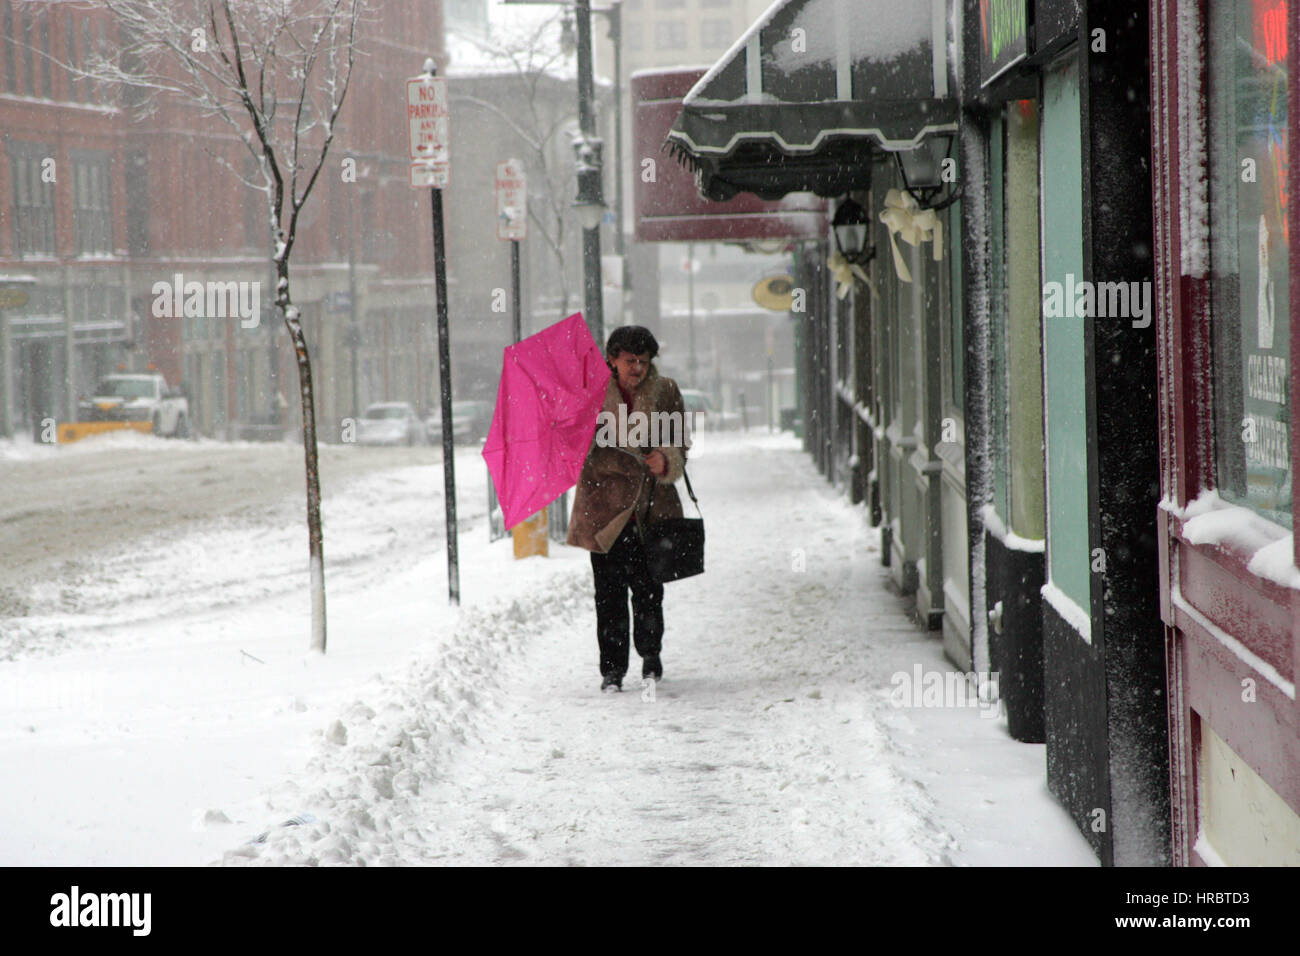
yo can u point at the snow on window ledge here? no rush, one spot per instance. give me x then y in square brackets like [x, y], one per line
[1065, 606]
[1010, 540]
[1266, 548]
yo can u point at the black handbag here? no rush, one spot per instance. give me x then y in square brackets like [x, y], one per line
[674, 547]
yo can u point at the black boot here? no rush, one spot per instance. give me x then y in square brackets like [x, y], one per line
[651, 667]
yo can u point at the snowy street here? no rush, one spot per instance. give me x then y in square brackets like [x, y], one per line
[974, 327]
[175, 731]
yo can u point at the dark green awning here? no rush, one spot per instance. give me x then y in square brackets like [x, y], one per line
[801, 100]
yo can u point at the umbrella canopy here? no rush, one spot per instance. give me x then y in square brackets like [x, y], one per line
[552, 388]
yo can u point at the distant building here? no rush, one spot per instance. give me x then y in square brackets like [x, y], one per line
[98, 206]
[467, 17]
[681, 33]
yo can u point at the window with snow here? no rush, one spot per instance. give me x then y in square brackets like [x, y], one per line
[1250, 244]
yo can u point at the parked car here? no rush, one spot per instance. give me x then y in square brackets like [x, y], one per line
[705, 416]
[470, 421]
[699, 408]
[389, 423]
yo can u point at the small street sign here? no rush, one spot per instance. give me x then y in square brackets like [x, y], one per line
[512, 201]
[423, 174]
[428, 120]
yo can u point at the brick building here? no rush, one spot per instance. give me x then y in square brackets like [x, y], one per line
[98, 205]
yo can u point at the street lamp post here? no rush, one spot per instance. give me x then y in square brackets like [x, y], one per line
[615, 14]
[590, 202]
[352, 339]
[690, 306]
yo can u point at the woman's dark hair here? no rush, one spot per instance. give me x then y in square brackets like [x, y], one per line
[636, 339]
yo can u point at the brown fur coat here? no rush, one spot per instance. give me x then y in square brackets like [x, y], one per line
[614, 484]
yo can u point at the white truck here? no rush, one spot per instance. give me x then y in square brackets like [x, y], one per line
[138, 398]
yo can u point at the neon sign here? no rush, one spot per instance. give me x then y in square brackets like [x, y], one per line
[1270, 30]
[1004, 36]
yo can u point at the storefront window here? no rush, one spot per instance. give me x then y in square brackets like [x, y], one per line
[1065, 375]
[997, 322]
[1250, 247]
[956, 339]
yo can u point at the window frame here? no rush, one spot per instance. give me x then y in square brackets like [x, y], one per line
[92, 202]
[31, 217]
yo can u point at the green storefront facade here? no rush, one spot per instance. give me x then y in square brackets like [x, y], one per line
[976, 386]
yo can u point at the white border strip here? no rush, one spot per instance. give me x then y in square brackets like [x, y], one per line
[884, 143]
[1206, 849]
[754, 68]
[1065, 606]
[1244, 653]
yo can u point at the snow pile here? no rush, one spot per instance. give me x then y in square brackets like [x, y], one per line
[1276, 562]
[374, 759]
[24, 449]
[231, 560]
[1211, 520]
[1009, 539]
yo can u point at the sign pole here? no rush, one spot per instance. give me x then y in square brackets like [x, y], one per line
[6, 373]
[514, 289]
[512, 226]
[529, 536]
[428, 123]
[444, 382]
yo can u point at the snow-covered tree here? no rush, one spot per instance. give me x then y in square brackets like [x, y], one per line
[277, 72]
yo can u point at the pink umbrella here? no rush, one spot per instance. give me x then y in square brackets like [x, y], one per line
[552, 388]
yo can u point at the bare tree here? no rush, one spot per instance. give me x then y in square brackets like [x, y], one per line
[533, 56]
[277, 72]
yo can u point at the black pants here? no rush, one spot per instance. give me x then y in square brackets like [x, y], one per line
[622, 569]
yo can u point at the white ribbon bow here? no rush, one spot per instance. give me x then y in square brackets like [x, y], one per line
[905, 219]
[843, 272]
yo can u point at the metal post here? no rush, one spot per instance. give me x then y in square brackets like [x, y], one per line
[589, 180]
[690, 307]
[353, 332]
[771, 399]
[616, 34]
[69, 354]
[444, 382]
[354, 340]
[6, 378]
[516, 305]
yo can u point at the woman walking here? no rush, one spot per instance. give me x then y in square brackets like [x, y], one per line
[645, 450]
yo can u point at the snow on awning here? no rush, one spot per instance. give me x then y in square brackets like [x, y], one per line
[803, 97]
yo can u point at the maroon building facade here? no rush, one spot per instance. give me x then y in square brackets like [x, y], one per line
[1224, 110]
[98, 205]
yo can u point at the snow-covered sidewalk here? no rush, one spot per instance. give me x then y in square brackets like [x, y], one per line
[181, 731]
[772, 739]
